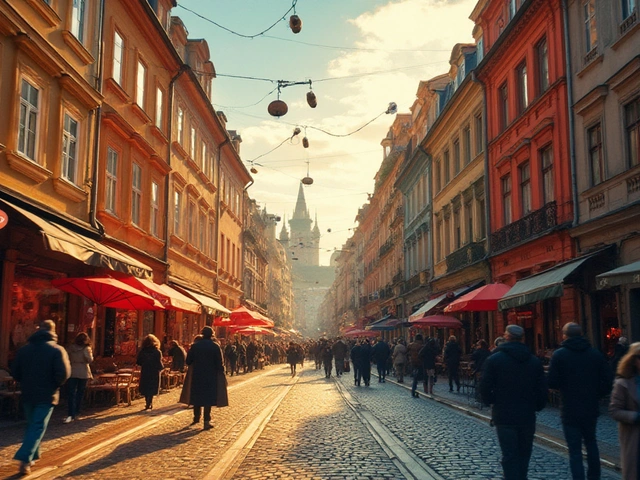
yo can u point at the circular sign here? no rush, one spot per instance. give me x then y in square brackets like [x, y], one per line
[4, 219]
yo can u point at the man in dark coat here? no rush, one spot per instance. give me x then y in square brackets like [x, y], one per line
[381, 353]
[355, 359]
[513, 382]
[413, 352]
[452, 354]
[339, 353]
[582, 375]
[364, 362]
[205, 358]
[41, 367]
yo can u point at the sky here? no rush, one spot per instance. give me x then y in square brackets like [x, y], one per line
[360, 55]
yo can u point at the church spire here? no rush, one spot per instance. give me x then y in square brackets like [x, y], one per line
[301, 206]
[284, 234]
[316, 228]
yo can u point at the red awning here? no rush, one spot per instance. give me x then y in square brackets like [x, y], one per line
[169, 298]
[243, 317]
[438, 321]
[360, 333]
[483, 299]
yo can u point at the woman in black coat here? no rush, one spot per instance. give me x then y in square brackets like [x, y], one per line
[150, 361]
[178, 356]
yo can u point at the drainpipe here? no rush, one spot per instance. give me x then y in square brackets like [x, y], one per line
[485, 143]
[183, 68]
[572, 143]
[217, 282]
[93, 201]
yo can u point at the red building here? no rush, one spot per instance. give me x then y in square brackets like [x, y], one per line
[522, 69]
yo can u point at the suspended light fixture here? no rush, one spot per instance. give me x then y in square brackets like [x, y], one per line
[277, 108]
[307, 180]
[253, 170]
[305, 142]
[311, 99]
[295, 23]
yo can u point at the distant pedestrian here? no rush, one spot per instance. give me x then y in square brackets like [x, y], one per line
[355, 359]
[205, 358]
[452, 355]
[41, 366]
[381, 353]
[150, 361]
[417, 367]
[399, 360]
[80, 357]
[625, 409]
[364, 363]
[428, 355]
[327, 360]
[479, 355]
[292, 357]
[497, 342]
[513, 382]
[178, 356]
[582, 375]
[339, 350]
[620, 350]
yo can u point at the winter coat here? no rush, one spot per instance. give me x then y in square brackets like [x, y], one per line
[80, 356]
[452, 354]
[428, 355]
[205, 358]
[178, 356]
[380, 352]
[292, 355]
[364, 357]
[399, 354]
[478, 357]
[413, 352]
[339, 350]
[327, 355]
[582, 375]
[41, 367]
[625, 409]
[150, 361]
[513, 382]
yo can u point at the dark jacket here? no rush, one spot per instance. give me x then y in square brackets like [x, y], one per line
[583, 376]
[41, 367]
[428, 354]
[452, 354]
[178, 356]
[413, 351]
[205, 358]
[380, 352]
[339, 350]
[150, 361]
[513, 382]
[478, 357]
[364, 357]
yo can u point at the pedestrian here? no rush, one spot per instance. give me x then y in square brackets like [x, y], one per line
[41, 366]
[205, 358]
[625, 409]
[428, 355]
[185, 394]
[413, 351]
[327, 360]
[582, 375]
[452, 354]
[150, 361]
[513, 382]
[364, 362]
[339, 349]
[355, 359]
[80, 356]
[380, 354]
[620, 350]
[480, 354]
[292, 357]
[399, 359]
[232, 356]
[497, 342]
[178, 356]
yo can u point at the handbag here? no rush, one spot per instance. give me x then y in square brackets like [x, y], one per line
[347, 366]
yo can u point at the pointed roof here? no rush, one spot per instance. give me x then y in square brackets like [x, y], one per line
[284, 234]
[301, 211]
[316, 229]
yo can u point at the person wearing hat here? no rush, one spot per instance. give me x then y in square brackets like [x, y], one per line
[205, 359]
[582, 375]
[513, 383]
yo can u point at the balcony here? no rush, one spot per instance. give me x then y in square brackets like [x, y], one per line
[385, 248]
[386, 292]
[629, 22]
[398, 277]
[398, 216]
[524, 229]
[464, 256]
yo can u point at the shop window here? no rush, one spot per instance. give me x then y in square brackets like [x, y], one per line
[147, 323]
[126, 333]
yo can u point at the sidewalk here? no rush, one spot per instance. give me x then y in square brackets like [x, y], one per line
[548, 420]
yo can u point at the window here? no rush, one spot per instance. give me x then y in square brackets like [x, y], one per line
[447, 236]
[28, 128]
[222, 253]
[460, 74]
[503, 105]
[445, 165]
[525, 188]
[468, 213]
[546, 157]
[155, 209]
[479, 133]
[141, 80]
[628, 7]
[192, 144]
[506, 199]
[457, 233]
[480, 49]
[177, 209]
[192, 223]
[523, 96]
[204, 159]
[212, 243]
[590, 31]
[437, 176]
[456, 157]
[112, 180]
[136, 193]
[596, 160]
[159, 107]
[513, 7]
[118, 57]
[483, 219]
[77, 19]
[632, 126]
[70, 149]
[466, 139]
[203, 231]
[542, 56]
[180, 129]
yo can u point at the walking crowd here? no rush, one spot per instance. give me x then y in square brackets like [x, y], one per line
[509, 378]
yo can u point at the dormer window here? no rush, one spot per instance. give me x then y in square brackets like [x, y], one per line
[460, 75]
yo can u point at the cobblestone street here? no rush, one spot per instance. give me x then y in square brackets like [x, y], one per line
[278, 426]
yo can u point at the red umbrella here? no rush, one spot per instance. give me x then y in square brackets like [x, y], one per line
[252, 331]
[438, 321]
[108, 292]
[243, 317]
[483, 299]
[360, 333]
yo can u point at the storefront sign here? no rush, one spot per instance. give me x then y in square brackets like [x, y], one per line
[4, 219]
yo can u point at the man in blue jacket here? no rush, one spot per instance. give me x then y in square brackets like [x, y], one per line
[42, 366]
[582, 375]
[513, 382]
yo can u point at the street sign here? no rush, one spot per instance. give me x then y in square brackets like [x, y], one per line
[4, 219]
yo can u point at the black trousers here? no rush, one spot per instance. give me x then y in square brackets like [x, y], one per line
[197, 410]
[516, 443]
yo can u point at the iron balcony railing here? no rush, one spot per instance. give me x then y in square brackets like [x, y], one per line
[464, 256]
[524, 229]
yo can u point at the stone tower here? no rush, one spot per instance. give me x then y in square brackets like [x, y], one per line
[304, 241]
